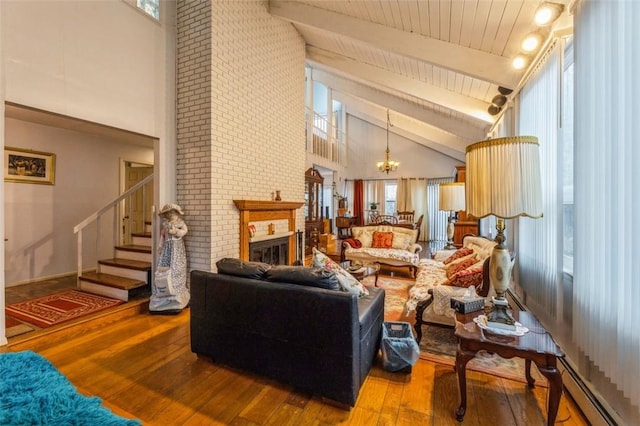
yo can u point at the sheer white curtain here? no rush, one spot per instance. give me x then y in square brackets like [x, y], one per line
[540, 240]
[403, 195]
[607, 195]
[412, 195]
[436, 226]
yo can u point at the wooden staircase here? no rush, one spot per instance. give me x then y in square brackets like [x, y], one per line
[125, 277]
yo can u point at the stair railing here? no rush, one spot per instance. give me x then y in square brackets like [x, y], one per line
[144, 185]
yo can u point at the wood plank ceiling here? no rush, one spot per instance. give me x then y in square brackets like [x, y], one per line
[435, 64]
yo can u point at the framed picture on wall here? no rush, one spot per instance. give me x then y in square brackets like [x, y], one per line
[26, 166]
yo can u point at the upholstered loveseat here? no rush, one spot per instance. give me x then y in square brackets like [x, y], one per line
[389, 245]
[450, 273]
[288, 323]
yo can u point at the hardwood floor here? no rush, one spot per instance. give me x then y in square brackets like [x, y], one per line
[141, 366]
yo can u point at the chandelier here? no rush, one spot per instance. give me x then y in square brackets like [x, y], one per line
[387, 165]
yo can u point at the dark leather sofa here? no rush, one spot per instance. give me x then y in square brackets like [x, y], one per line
[274, 322]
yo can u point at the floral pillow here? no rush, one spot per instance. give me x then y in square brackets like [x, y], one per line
[382, 240]
[464, 251]
[466, 278]
[454, 269]
[347, 281]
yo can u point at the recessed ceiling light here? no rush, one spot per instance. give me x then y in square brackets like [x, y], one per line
[547, 12]
[531, 42]
[519, 62]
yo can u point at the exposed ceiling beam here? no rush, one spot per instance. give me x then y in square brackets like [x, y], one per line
[465, 129]
[472, 62]
[364, 72]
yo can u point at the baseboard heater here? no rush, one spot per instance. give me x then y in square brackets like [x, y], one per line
[592, 408]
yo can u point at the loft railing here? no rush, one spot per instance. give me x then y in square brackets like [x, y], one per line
[324, 139]
[112, 208]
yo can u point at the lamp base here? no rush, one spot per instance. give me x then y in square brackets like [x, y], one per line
[499, 315]
[449, 246]
[450, 233]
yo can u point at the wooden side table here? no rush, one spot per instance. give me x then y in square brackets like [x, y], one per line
[536, 345]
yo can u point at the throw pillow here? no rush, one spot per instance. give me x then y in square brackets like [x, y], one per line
[242, 268]
[401, 241]
[382, 240]
[454, 269]
[462, 252]
[303, 275]
[466, 278]
[365, 238]
[347, 281]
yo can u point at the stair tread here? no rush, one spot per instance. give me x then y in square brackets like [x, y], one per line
[127, 263]
[112, 280]
[134, 247]
[141, 234]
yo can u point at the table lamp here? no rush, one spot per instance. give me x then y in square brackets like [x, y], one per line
[451, 199]
[503, 179]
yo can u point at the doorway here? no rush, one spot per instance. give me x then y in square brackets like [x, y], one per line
[136, 214]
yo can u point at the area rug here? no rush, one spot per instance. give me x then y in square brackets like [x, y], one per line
[34, 392]
[60, 307]
[14, 327]
[396, 295]
[438, 344]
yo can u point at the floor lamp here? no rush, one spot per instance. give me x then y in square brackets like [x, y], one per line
[503, 180]
[451, 199]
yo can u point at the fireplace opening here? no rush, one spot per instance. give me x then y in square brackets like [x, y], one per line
[274, 251]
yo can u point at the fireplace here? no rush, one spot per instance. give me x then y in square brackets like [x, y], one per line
[252, 211]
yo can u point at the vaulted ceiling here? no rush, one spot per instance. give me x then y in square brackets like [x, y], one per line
[435, 64]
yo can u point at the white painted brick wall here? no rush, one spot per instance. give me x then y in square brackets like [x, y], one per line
[240, 119]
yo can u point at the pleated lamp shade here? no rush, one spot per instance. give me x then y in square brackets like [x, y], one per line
[451, 197]
[503, 178]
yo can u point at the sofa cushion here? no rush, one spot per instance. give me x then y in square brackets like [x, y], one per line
[453, 269]
[347, 281]
[462, 252]
[242, 268]
[466, 278]
[303, 275]
[382, 240]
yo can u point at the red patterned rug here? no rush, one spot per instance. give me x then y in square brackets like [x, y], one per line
[60, 307]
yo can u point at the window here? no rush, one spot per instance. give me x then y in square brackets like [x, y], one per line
[150, 7]
[390, 197]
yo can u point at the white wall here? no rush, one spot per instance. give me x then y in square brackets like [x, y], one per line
[96, 60]
[39, 219]
[367, 145]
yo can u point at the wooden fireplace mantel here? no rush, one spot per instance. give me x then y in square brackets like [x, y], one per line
[259, 210]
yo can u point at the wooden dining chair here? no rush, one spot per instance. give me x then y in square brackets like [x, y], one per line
[417, 226]
[386, 219]
[406, 216]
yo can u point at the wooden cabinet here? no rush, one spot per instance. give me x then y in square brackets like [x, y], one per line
[466, 224]
[313, 219]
